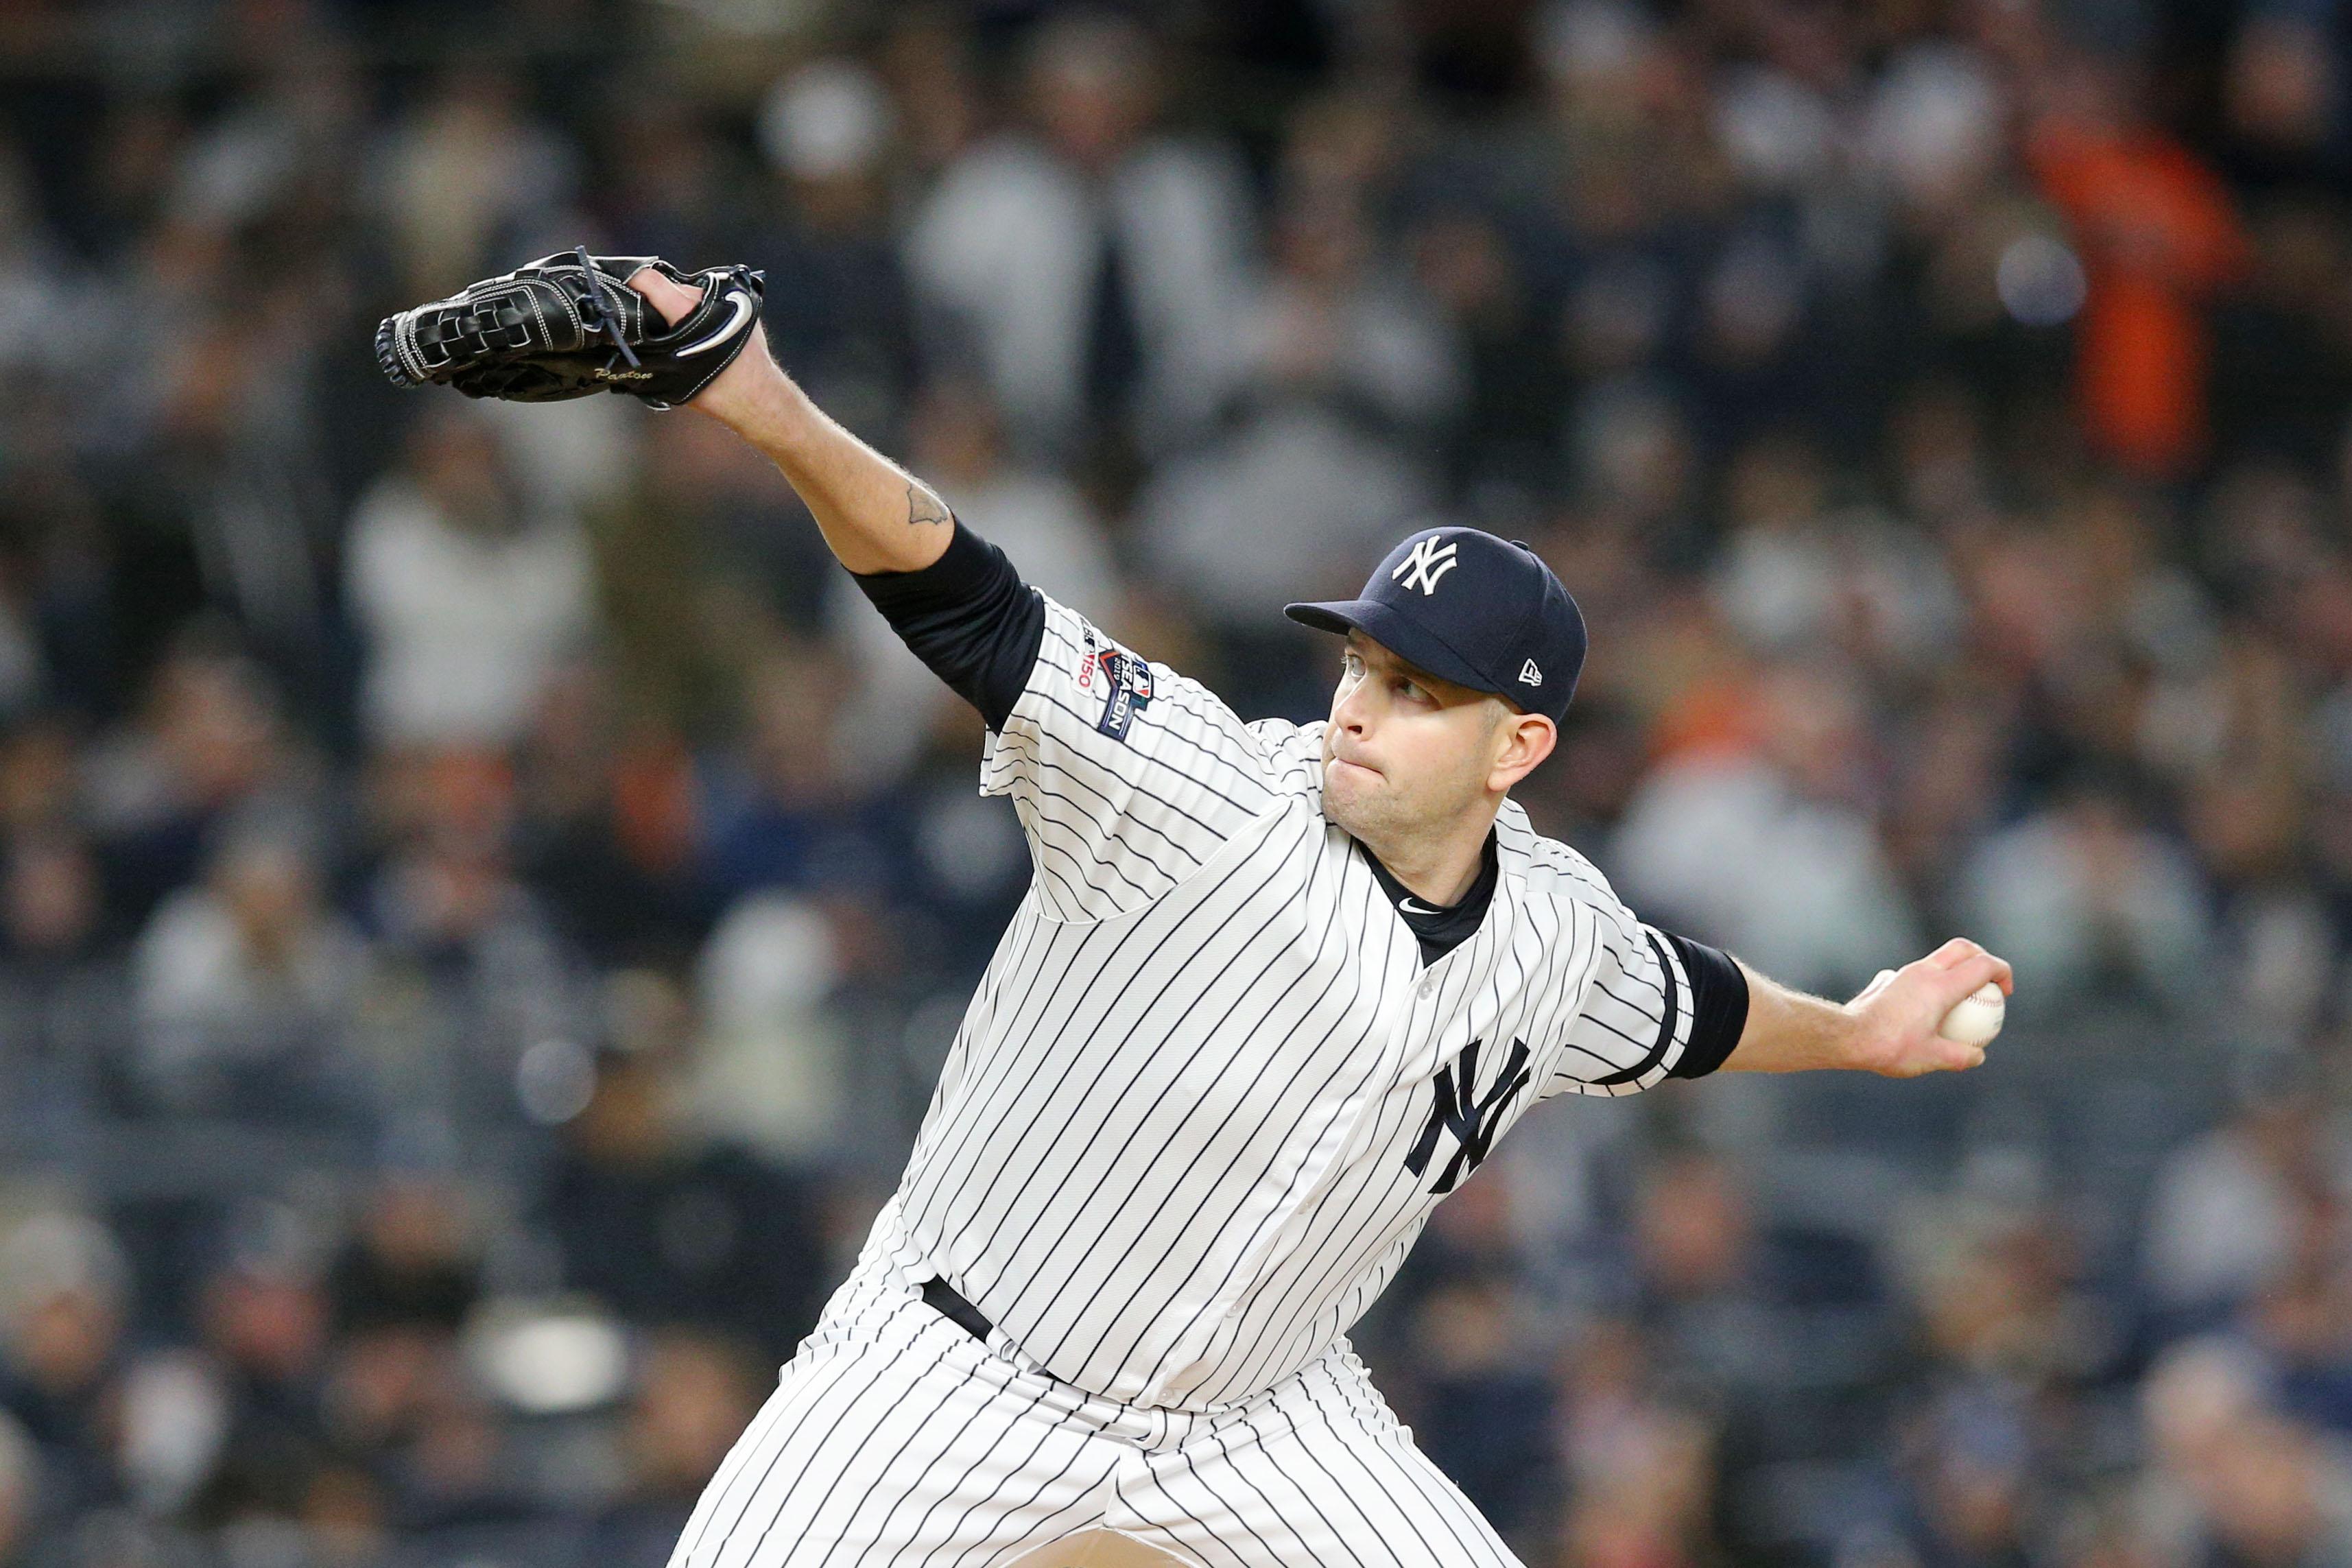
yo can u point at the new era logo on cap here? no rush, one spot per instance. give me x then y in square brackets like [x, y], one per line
[1529, 675]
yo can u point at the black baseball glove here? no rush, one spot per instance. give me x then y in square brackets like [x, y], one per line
[565, 326]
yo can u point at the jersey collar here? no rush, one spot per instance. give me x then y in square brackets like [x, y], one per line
[1440, 931]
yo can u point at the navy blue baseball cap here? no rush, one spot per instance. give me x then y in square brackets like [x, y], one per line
[1481, 612]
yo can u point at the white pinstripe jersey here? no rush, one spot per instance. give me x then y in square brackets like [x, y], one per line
[1207, 1094]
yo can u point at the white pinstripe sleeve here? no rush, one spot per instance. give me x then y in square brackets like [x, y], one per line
[1635, 1018]
[1127, 777]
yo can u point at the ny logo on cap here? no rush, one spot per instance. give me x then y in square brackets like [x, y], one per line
[1428, 563]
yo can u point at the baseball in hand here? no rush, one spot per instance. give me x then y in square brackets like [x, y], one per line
[1976, 1017]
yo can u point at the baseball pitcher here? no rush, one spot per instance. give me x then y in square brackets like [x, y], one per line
[1274, 992]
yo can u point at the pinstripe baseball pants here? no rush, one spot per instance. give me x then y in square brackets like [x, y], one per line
[896, 1440]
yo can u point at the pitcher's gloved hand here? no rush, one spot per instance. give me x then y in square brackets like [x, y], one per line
[565, 326]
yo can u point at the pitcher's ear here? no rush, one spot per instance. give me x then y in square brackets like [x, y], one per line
[1531, 738]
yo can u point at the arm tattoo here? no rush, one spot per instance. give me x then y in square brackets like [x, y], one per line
[923, 507]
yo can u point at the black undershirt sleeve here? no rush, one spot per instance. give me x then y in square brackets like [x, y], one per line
[1718, 1004]
[971, 617]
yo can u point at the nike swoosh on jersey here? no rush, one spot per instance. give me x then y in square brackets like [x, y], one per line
[1409, 906]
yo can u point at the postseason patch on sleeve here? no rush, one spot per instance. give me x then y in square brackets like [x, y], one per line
[1127, 683]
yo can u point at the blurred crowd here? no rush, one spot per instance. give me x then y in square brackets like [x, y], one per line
[483, 902]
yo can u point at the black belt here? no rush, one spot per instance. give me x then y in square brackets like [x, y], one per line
[942, 1299]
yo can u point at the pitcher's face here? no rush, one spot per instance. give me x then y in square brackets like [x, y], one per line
[1406, 751]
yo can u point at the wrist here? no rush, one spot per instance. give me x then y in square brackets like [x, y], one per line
[757, 401]
[1860, 1041]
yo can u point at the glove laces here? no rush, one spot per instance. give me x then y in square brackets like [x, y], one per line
[606, 319]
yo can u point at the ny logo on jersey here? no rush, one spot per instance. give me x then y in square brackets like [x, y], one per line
[1428, 561]
[1471, 1120]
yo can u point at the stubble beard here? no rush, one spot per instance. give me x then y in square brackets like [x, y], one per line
[1382, 818]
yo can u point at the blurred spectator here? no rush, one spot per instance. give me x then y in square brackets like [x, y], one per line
[786, 811]
[2226, 1207]
[694, 1396]
[1701, 1270]
[1971, 1498]
[476, 974]
[1088, 269]
[1038, 518]
[286, 141]
[1505, 436]
[265, 1322]
[50, 907]
[966, 860]
[1793, 575]
[398, 1293]
[2283, 89]
[773, 1069]
[839, 314]
[607, 822]
[701, 563]
[1475, 1406]
[2283, 347]
[37, 301]
[670, 186]
[64, 1292]
[466, 177]
[2159, 234]
[210, 744]
[410, 1264]
[667, 1233]
[2091, 893]
[1342, 358]
[61, 1012]
[466, 595]
[2303, 1323]
[1639, 1471]
[243, 984]
[1768, 848]
[2001, 1305]
[1484, 1412]
[2234, 1480]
